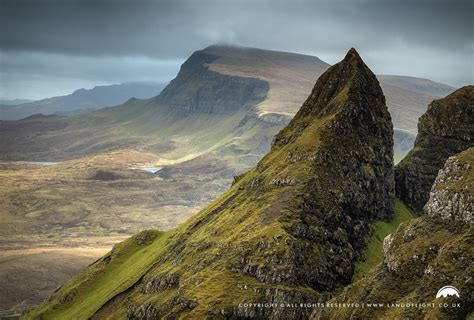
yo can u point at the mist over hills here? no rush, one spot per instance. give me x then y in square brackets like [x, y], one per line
[81, 100]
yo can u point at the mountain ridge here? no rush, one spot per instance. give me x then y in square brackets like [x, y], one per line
[444, 130]
[200, 152]
[82, 100]
[287, 89]
[271, 236]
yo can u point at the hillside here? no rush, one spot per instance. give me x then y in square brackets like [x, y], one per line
[212, 122]
[444, 130]
[200, 110]
[423, 86]
[81, 100]
[422, 256]
[272, 236]
[94, 195]
[283, 79]
[291, 77]
[14, 102]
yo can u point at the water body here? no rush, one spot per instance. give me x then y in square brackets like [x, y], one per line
[40, 163]
[149, 169]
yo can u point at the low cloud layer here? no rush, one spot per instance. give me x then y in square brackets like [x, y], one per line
[70, 42]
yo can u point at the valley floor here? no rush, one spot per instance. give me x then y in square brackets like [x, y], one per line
[31, 274]
[60, 217]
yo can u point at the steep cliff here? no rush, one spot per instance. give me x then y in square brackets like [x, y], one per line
[422, 256]
[290, 229]
[444, 130]
[199, 89]
[198, 111]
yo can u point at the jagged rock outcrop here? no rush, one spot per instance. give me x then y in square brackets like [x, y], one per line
[443, 131]
[450, 197]
[288, 231]
[422, 256]
[351, 177]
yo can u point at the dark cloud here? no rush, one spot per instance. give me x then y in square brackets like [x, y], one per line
[171, 30]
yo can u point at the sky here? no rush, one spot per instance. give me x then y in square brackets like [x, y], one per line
[52, 47]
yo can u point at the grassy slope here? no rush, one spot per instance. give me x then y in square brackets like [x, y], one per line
[129, 260]
[241, 221]
[374, 252]
[245, 227]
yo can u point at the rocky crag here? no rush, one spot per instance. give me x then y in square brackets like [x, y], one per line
[443, 131]
[423, 256]
[197, 88]
[288, 230]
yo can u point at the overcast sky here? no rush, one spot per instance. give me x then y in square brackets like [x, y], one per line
[52, 47]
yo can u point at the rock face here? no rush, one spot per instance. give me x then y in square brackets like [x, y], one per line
[424, 255]
[289, 230]
[452, 198]
[443, 131]
[199, 89]
[351, 176]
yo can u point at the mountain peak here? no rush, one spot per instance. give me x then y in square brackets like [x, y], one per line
[352, 54]
[273, 236]
[353, 58]
[349, 80]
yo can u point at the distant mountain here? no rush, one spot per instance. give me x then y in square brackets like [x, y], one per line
[14, 102]
[291, 77]
[262, 85]
[423, 86]
[288, 231]
[82, 100]
[215, 120]
[408, 98]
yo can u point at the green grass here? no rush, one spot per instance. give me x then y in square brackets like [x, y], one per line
[374, 251]
[98, 283]
[235, 220]
[211, 252]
